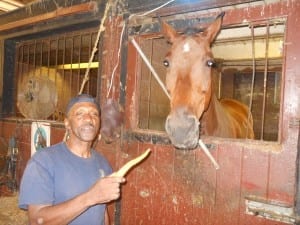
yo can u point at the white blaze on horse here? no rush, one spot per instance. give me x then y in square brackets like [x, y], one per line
[190, 84]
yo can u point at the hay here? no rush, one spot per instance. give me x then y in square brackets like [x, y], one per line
[10, 214]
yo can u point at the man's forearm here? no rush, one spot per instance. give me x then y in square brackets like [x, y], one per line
[59, 214]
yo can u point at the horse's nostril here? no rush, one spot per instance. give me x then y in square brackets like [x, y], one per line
[193, 120]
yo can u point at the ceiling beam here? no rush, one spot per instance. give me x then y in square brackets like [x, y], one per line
[80, 8]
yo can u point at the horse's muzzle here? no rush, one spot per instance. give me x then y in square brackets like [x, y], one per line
[183, 129]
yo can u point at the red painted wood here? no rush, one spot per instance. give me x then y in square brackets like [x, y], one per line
[197, 193]
[254, 181]
[228, 185]
[182, 187]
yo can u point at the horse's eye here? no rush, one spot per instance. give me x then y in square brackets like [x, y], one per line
[166, 63]
[211, 63]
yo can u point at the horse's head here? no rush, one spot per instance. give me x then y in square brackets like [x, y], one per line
[189, 72]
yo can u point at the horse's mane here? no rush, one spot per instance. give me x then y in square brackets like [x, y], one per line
[193, 30]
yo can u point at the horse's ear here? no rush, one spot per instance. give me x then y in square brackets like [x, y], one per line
[168, 31]
[213, 29]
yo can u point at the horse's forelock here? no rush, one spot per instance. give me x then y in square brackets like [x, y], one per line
[193, 30]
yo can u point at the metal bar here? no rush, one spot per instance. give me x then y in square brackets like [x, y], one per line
[71, 60]
[56, 55]
[41, 57]
[20, 63]
[34, 57]
[253, 75]
[63, 62]
[265, 83]
[79, 61]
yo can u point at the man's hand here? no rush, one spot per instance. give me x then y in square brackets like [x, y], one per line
[105, 190]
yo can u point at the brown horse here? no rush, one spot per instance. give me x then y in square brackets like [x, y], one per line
[189, 81]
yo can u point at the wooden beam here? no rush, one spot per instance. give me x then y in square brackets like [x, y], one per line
[80, 8]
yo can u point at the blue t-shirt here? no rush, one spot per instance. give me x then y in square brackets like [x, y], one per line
[54, 175]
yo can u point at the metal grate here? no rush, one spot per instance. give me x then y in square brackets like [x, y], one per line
[63, 59]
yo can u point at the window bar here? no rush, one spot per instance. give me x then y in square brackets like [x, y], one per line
[59, 90]
[79, 62]
[63, 62]
[219, 74]
[265, 81]
[253, 72]
[41, 57]
[56, 55]
[28, 59]
[71, 61]
[34, 57]
[18, 70]
[48, 57]
[90, 52]
[20, 62]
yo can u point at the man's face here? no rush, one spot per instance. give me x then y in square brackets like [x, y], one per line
[83, 121]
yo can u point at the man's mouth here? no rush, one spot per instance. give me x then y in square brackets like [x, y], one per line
[88, 127]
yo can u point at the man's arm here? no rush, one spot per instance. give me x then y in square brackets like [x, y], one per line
[104, 190]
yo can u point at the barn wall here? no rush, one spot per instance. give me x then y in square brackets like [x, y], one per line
[183, 187]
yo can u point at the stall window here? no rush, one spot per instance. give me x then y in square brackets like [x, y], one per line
[249, 69]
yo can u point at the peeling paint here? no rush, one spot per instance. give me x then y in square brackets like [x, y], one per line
[144, 193]
[174, 200]
[197, 200]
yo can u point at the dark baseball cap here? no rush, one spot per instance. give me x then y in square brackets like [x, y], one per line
[81, 98]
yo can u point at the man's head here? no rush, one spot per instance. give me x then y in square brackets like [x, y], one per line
[81, 98]
[82, 118]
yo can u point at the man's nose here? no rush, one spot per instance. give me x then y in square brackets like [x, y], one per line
[87, 117]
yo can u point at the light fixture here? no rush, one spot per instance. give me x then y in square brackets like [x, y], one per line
[8, 5]
[75, 66]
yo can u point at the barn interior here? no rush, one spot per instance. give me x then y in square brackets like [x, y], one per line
[53, 50]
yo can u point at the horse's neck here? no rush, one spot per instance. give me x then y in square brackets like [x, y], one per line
[213, 117]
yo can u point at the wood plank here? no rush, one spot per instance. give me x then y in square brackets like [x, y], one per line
[254, 182]
[129, 203]
[204, 192]
[227, 207]
[145, 176]
[163, 185]
[60, 12]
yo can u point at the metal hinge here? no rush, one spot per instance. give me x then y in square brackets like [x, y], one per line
[271, 210]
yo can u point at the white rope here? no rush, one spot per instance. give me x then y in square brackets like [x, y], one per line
[153, 10]
[209, 155]
[117, 64]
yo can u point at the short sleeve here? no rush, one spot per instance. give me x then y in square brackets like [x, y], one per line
[36, 185]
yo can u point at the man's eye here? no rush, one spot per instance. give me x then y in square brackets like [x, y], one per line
[95, 114]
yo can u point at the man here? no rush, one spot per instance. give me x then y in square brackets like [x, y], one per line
[69, 183]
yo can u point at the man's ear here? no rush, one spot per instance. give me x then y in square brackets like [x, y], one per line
[67, 124]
